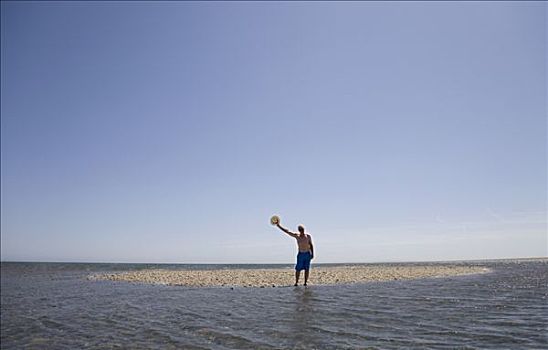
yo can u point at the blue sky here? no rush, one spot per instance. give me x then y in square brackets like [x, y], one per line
[171, 132]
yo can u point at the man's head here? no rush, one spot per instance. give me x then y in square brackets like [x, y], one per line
[301, 229]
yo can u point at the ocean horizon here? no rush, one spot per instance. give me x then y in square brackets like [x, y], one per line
[279, 263]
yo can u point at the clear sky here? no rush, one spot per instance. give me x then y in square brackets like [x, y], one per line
[171, 131]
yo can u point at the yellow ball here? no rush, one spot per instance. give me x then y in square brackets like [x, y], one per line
[274, 220]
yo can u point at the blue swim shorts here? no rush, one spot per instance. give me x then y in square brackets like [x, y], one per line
[303, 261]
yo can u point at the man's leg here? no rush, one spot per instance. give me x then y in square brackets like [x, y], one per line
[306, 276]
[297, 275]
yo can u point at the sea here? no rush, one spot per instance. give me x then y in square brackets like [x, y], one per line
[55, 306]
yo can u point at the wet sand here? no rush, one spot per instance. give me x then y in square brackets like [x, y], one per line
[281, 277]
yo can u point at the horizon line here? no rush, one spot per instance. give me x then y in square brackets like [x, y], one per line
[277, 263]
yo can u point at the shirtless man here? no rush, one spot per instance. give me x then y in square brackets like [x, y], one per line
[306, 252]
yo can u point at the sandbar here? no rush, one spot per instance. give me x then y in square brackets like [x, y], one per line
[280, 277]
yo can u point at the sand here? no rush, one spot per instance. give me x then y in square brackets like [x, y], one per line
[280, 277]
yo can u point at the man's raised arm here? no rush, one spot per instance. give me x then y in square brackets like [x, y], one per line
[292, 234]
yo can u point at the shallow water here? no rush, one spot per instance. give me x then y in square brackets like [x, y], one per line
[54, 306]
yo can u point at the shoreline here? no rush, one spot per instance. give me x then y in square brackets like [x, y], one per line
[283, 277]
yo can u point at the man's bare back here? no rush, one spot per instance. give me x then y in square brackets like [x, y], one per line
[303, 241]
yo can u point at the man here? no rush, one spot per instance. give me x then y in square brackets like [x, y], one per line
[306, 252]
